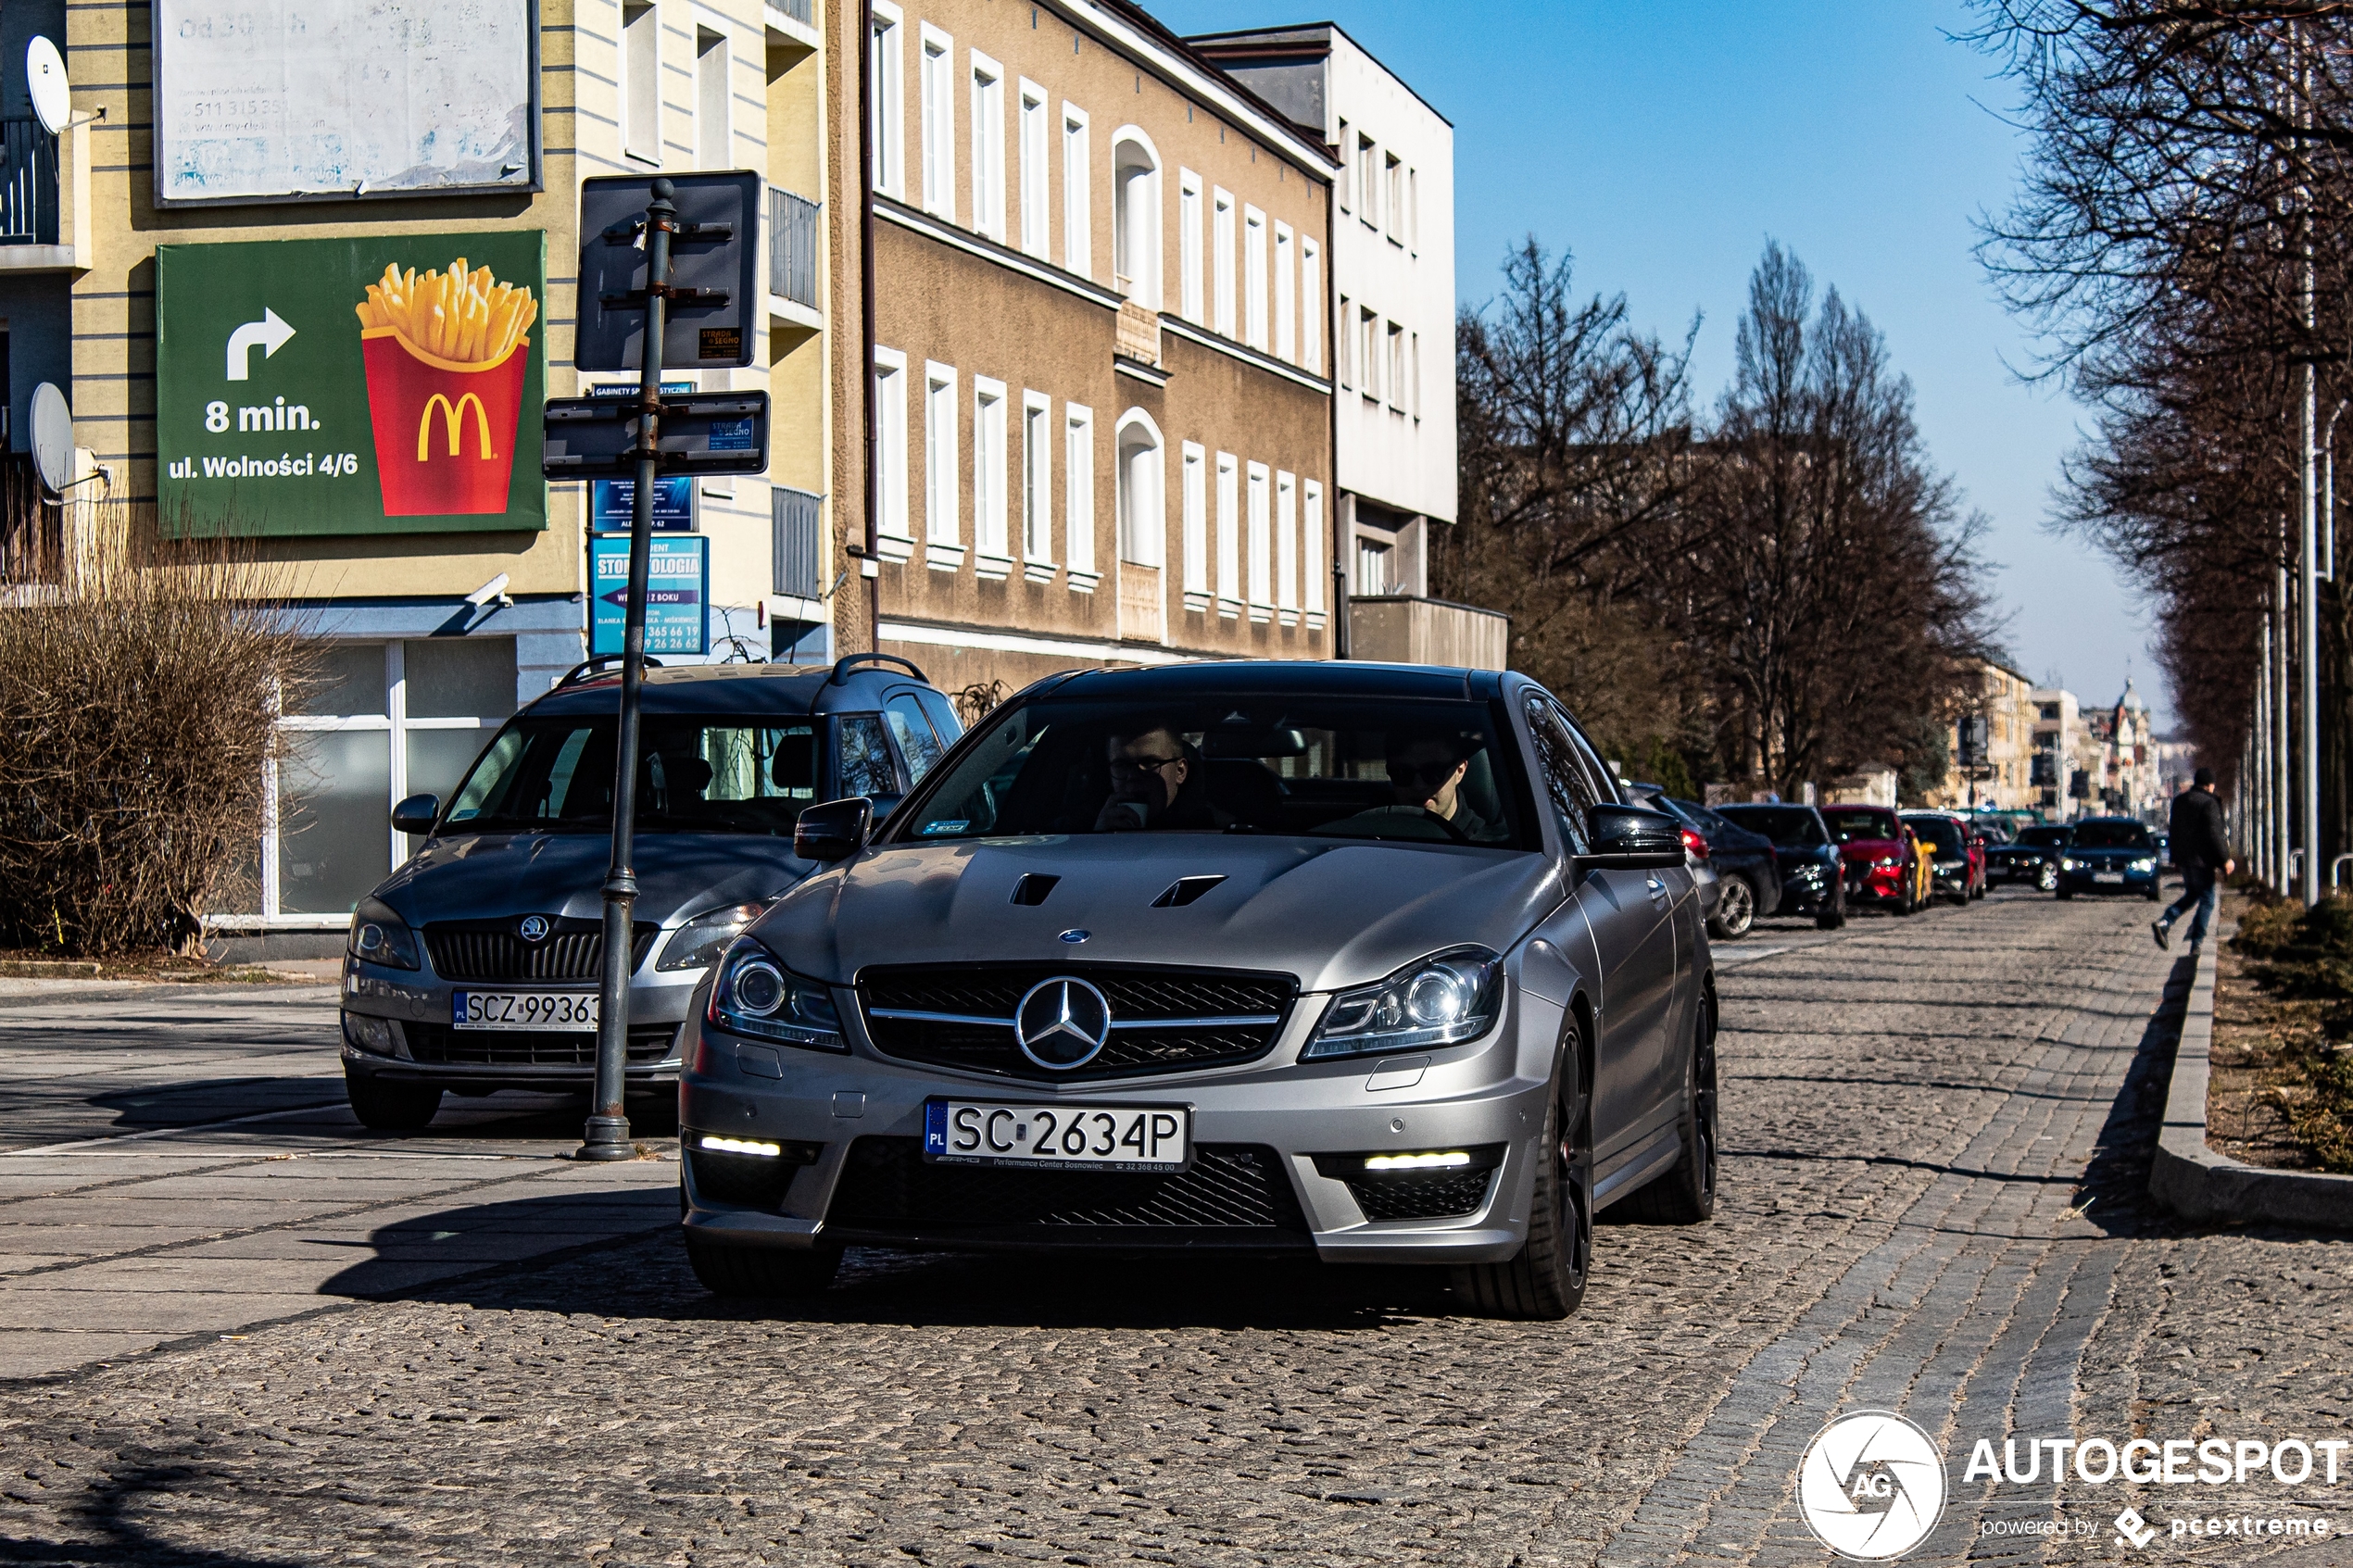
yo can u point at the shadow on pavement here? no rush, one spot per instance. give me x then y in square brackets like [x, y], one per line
[121, 1540]
[2116, 1183]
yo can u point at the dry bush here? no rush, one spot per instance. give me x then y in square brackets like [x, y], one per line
[139, 681]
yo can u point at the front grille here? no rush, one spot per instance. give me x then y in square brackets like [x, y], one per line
[1237, 1190]
[528, 1048]
[1420, 1195]
[492, 949]
[1158, 1017]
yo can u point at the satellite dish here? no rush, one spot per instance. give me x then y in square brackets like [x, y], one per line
[44, 75]
[52, 437]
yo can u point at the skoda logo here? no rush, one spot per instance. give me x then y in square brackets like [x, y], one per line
[1872, 1486]
[533, 928]
[1062, 1023]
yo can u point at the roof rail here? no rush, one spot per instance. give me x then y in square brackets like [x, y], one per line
[590, 667]
[843, 665]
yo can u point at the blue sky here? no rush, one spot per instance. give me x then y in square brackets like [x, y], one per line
[1661, 144]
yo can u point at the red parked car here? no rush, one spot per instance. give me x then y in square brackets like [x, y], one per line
[1886, 862]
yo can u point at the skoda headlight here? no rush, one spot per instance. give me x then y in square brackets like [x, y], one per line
[1442, 1000]
[379, 936]
[756, 996]
[699, 943]
[2066, 864]
[2145, 863]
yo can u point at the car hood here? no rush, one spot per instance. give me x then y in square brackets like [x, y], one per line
[1874, 848]
[474, 876]
[1331, 914]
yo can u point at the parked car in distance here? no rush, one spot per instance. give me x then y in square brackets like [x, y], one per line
[1748, 878]
[1886, 863]
[1806, 852]
[474, 967]
[2109, 855]
[2032, 856]
[1956, 854]
[1368, 963]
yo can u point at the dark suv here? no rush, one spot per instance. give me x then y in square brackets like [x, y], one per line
[474, 967]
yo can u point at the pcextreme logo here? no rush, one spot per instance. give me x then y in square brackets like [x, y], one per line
[1872, 1486]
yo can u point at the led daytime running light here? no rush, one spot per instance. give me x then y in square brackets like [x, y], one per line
[1447, 1160]
[718, 1145]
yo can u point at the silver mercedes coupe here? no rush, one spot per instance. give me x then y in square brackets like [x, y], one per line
[1372, 963]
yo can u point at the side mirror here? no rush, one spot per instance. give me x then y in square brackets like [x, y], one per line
[416, 814]
[834, 831]
[1634, 838]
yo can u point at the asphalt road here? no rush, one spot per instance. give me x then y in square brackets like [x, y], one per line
[1937, 1138]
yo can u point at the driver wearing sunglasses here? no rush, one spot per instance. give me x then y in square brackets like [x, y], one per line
[1155, 782]
[1426, 769]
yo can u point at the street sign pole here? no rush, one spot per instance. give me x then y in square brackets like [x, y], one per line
[606, 1136]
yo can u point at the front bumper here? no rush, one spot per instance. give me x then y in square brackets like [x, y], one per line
[397, 1026]
[1884, 883]
[851, 1127]
[2084, 879]
[1808, 890]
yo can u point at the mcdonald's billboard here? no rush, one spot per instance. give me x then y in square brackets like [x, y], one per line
[383, 384]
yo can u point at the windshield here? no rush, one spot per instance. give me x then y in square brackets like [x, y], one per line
[2111, 835]
[1326, 767]
[1851, 822]
[1944, 835]
[1790, 827]
[2042, 838]
[695, 775]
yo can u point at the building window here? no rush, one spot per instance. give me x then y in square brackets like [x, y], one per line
[1196, 520]
[1399, 382]
[939, 122]
[1313, 496]
[1188, 289]
[1372, 568]
[1286, 541]
[1036, 480]
[1221, 239]
[887, 115]
[1311, 305]
[1078, 494]
[641, 81]
[1368, 354]
[1414, 209]
[1261, 528]
[1340, 182]
[711, 100]
[941, 525]
[989, 147]
[1078, 223]
[1414, 378]
[1286, 297]
[1230, 548]
[1143, 523]
[1036, 208]
[890, 445]
[989, 468]
[1135, 220]
[1254, 277]
[1393, 196]
[1343, 346]
[1367, 183]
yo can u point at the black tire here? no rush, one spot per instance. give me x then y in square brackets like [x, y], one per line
[1735, 914]
[1545, 1280]
[1961, 894]
[1686, 1195]
[2154, 893]
[760, 1273]
[2063, 891]
[1904, 905]
[1833, 917]
[390, 1108]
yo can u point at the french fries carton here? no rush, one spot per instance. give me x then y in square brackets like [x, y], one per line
[445, 356]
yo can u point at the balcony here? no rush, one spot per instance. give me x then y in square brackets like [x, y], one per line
[44, 198]
[1402, 629]
[796, 260]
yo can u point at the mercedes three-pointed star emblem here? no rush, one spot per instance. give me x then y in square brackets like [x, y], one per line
[1062, 1023]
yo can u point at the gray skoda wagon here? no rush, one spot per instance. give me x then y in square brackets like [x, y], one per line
[1369, 963]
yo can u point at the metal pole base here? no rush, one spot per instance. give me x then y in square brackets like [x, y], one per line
[607, 1137]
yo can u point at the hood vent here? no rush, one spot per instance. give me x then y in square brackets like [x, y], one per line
[1032, 889]
[1184, 890]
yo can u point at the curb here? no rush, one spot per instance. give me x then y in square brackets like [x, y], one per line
[2197, 1183]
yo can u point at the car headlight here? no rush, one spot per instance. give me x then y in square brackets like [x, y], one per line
[699, 943]
[1441, 1001]
[379, 936]
[2145, 863]
[755, 994]
[2066, 865]
[1888, 864]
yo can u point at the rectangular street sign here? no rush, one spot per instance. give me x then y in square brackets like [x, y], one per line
[378, 384]
[721, 317]
[704, 433]
[677, 593]
[613, 505]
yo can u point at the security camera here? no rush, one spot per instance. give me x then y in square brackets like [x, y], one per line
[493, 589]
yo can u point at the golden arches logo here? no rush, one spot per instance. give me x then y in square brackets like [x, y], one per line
[453, 416]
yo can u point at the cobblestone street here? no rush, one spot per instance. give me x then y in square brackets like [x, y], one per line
[1937, 1138]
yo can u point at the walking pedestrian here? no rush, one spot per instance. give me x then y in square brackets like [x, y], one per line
[2203, 855]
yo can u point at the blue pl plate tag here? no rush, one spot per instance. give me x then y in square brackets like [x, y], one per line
[935, 1128]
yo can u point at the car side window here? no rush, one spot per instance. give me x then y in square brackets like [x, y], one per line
[1571, 792]
[912, 730]
[866, 756]
[944, 722]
